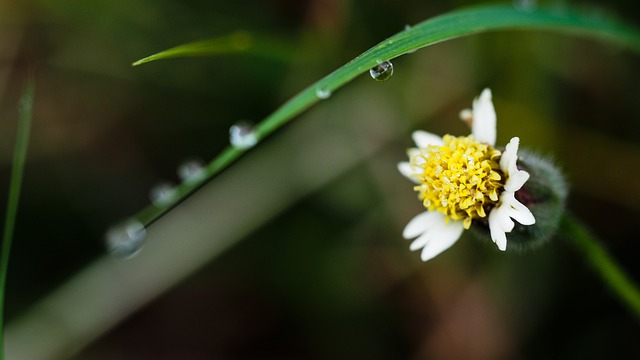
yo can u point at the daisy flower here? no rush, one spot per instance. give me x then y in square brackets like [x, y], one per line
[464, 179]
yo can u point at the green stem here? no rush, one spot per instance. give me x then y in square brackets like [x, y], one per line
[602, 262]
[19, 160]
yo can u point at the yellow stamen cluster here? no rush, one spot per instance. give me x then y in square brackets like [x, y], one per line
[461, 179]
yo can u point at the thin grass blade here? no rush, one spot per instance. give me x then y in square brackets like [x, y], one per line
[240, 42]
[17, 171]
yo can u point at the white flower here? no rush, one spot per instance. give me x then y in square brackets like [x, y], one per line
[462, 179]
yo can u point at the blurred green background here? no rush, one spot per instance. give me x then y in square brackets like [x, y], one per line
[316, 267]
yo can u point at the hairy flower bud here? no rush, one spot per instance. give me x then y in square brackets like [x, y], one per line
[544, 194]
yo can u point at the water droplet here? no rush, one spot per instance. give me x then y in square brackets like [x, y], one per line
[323, 93]
[191, 171]
[382, 71]
[162, 194]
[242, 136]
[126, 240]
[525, 5]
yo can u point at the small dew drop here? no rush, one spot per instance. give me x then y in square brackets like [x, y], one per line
[525, 5]
[382, 71]
[323, 93]
[125, 240]
[242, 136]
[191, 171]
[162, 194]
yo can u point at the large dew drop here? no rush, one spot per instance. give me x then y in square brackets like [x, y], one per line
[323, 93]
[126, 240]
[382, 72]
[191, 171]
[162, 194]
[242, 136]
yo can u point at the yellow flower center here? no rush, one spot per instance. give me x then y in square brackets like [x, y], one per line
[461, 179]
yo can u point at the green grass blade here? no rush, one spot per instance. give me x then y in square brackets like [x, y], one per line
[618, 281]
[17, 170]
[445, 27]
[235, 43]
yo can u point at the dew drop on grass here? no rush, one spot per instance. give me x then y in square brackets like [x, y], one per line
[323, 93]
[126, 240]
[242, 136]
[162, 194]
[382, 71]
[191, 171]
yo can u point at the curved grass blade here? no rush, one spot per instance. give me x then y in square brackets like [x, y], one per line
[445, 27]
[235, 43]
[618, 281]
[19, 160]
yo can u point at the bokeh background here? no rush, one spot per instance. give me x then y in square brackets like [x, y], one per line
[296, 251]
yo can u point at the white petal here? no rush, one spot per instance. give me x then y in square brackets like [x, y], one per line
[423, 139]
[516, 180]
[407, 170]
[505, 220]
[441, 238]
[412, 152]
[522, 215]
[466, 115]
[435, 233]
[420, 242]
[497, 233]
[484, 119]
[501, 218]
[516, 210]
[510, 156]
[420, 223]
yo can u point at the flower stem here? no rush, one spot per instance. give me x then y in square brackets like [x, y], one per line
[19, 160]
[602, 262]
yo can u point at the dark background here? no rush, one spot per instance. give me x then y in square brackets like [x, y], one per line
[328, 275]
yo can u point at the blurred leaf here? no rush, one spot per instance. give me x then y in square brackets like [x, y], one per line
[19, 160]
[619, 282]
[237, 42]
